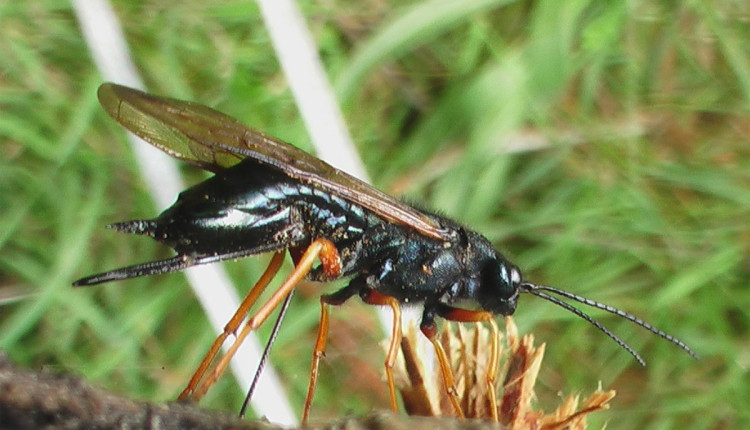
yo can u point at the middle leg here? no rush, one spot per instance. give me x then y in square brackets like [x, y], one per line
[336, 299]
[372, 297]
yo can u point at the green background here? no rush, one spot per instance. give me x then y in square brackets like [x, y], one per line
[638, 194]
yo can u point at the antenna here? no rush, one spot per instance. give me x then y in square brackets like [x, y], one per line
[537, 290]
[266, 353]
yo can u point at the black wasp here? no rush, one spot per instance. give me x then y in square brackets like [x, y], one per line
[268, 196]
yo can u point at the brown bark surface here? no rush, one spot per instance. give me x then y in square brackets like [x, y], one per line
[46, 400]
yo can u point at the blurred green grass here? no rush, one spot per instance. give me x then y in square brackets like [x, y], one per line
[640, 196]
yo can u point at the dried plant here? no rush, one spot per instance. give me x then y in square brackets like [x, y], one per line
[422, 388]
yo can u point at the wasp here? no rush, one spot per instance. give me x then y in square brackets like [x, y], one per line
[266, 196]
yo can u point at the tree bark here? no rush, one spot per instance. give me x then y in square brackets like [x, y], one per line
[47, 400]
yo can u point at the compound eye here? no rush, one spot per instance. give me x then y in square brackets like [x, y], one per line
[499, 277]
[499, 290]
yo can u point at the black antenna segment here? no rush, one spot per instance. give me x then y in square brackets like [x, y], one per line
[539, 291]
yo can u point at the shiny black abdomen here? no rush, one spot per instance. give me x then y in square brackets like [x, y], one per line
[251, 208]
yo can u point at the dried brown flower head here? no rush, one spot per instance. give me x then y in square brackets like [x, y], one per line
[466, 346]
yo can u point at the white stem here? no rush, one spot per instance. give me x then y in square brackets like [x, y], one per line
[210, 284]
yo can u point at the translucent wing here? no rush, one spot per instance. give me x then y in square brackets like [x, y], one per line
[213, 141]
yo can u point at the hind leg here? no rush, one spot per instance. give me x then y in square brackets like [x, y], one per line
[235, 322]
[320, 248]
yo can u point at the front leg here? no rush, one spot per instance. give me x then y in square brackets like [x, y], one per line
[429, 329]
[450, 313]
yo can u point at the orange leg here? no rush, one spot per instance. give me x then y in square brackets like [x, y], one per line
[373, 297]
[335, 299]
[492, 368]
[462, 315]
[318, 353]
[320, 248]
[370, 297]
[234, 323]
[445, 369]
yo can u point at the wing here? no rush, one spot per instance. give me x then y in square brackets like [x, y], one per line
[213, 141]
